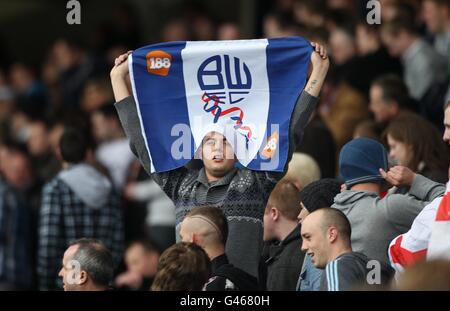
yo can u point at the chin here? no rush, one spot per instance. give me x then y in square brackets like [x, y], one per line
[218, 172]
[221, 169]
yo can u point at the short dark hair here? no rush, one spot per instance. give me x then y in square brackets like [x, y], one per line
[148, 245]
[182, 267]
[333, 217]
[394, 89]
[95, 259]
[216, 216]
[73, 145]
[320, 193]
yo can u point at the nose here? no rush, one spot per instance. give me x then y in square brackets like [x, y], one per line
[304, 247]
[446, 136]
[217, 145]
[61, 273]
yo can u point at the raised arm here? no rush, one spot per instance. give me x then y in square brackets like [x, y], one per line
[128, 115]
[307, 101]
[120, 77]
[320, 64]
[304, 108]
[127, 111]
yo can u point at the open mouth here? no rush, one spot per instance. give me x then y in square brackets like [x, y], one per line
[217, 158]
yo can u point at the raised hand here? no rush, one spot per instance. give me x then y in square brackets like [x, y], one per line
[120, 77]
[399, 176]
[320, 64]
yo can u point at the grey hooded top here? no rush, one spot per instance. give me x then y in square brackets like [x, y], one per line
[376, 221]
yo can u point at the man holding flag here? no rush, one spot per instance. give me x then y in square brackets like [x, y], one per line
[179, 75]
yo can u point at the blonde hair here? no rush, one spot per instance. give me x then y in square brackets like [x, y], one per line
[303, 168]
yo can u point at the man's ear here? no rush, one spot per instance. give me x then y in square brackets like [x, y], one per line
[274, 213]
[83, 277]
[195, 238]
[332, 234]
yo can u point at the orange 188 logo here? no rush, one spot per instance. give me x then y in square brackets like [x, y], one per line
[158, 62]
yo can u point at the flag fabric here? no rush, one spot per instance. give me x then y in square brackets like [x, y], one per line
[439, 245]
[428, 238]
[243, 89]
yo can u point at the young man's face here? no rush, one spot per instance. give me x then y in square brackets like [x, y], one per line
[218, 155]
[68, 271]
[315, 243]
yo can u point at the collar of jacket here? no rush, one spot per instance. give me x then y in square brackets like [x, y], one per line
[225, 180]
[219, 261]
[276, 248]
[294, 235]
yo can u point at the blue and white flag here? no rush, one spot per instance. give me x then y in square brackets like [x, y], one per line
[243, 89]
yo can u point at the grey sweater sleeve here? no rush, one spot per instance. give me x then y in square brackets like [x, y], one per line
[425, 189]
[129, 118]
[402, 209]
[305, 106]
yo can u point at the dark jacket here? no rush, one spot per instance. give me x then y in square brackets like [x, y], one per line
[353, 271]
[225, 276]
[282, 263]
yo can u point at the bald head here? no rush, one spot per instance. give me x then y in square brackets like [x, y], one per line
[326, 218]
[326, 233]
